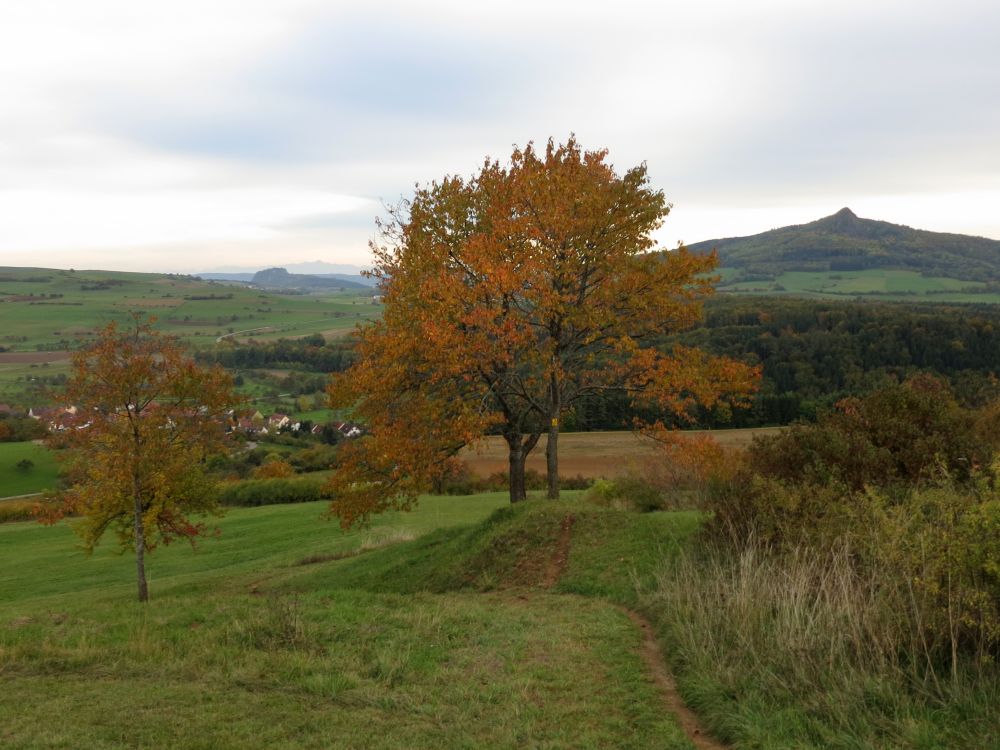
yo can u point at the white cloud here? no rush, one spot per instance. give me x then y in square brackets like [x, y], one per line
[152, 135]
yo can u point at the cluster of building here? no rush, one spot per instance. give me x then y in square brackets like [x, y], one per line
[59, 418]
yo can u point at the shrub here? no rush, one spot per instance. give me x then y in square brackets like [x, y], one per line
[626, 492]
[274, 467]
[940, 547]
[464, 482]
[778, 513]
[317, 458]
[932, 553]
[254, 492]
[16, 510]
[897, 436]
[688, 467]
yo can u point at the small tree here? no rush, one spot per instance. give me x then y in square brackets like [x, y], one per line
[147, 418]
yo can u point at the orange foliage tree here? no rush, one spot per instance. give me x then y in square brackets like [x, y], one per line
[147, 418]
[507, 298]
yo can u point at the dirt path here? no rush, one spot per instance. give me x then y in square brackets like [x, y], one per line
[656, 666]
[557, 563]
[21, 497]
[652, 655]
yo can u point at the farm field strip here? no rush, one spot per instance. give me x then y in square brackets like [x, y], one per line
[876, 284]
[594, 454]
[38, 302]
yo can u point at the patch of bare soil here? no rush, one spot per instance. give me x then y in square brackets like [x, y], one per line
[560, 556]
[652, 656]
[31, 358]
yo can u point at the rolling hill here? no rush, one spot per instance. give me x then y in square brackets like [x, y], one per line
[844, 242]
[280, 278]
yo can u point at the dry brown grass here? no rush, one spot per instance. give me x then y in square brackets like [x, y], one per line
[594, 454]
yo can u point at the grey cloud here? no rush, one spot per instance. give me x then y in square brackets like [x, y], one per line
[349, 88]
[881, 106]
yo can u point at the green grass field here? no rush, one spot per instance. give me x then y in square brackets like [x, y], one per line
[874, 284]
[57, 309]
[17, 481]
[464, 624]
[242, 647]
[49, 312]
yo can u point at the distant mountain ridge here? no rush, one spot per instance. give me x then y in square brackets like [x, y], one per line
[248, 278]
[280, 278]
[311, 268]
[846, 242]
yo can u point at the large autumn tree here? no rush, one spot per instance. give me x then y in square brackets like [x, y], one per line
[146, 419]
[508, 297]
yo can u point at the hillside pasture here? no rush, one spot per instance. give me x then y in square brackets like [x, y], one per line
[594, 454]
[49, 308]
[880, 284]
[48, 313]
[17, 481]
[254, 640]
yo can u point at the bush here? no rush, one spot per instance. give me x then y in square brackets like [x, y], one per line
[932, 553]
[16, 510]
[940, 547]
[274, 467]
[777, 513]
[688, 467]
[897, 436]
[461, 481]
[254, 492]
[317, 458]
[627, 492]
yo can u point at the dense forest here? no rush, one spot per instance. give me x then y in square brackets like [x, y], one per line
[814, 353]
[310, 353]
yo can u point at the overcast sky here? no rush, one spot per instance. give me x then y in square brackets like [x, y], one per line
[195, 134]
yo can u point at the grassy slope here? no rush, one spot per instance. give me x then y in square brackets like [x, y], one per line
[242, 647]
[34, 320]
[45, 321]
[754, 696]
[15, 481]
[444, 641]
[882, 284]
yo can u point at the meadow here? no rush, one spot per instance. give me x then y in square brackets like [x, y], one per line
[286, 632]
[464, 624]
[877, 284]
[15, 480]
[48, 313]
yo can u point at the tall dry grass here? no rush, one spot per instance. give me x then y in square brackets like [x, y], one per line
[807, 638]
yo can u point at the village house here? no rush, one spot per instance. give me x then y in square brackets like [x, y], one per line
[347, 429]
[278, 421]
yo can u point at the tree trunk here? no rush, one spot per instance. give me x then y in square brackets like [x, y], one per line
[519, 450]
[552, 446]
[552, 459]
[140, 545]
[516, 463]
